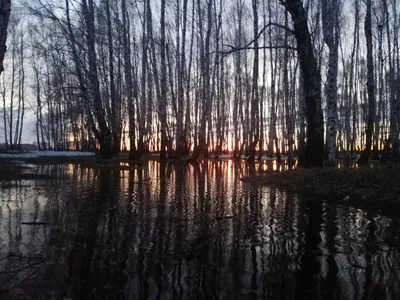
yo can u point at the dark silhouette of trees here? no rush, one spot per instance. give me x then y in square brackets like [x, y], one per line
[207, 77]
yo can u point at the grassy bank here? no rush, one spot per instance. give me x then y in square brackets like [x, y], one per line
[377, 185]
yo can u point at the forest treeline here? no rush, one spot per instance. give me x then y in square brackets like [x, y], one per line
[304, 78]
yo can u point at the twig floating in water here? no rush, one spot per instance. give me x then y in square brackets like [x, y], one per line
[35, 223]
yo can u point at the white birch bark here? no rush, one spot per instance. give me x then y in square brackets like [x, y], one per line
[330, 18]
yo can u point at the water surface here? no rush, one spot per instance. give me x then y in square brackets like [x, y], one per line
[187, 232]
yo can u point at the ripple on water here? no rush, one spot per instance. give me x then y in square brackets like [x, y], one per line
[187, 232]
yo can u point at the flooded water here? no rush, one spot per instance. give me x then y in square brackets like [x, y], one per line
[187, 232]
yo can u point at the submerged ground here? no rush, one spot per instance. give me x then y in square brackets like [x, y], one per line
[375, 185]
[181, 231]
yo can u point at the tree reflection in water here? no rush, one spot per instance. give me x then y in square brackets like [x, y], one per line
[169, 231]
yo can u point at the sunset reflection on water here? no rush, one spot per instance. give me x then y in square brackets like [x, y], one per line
[182, 231]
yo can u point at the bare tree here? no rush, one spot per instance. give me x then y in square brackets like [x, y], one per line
[370, 85]
[205, 73]
[311, 84]
[129, 82]
[254, 138]
[104, 67]
[330, 17]
[115, 119]
[162, 105]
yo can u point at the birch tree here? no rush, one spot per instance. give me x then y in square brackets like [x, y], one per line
[180, 137]
[129, 81]
[330, 17]
[106, 75]
[162, 106]
[254, 127]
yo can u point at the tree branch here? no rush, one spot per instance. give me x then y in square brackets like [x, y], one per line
[265, 28]
[235, 49]
[248, 45]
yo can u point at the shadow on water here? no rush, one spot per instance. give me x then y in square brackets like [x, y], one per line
[187, 232]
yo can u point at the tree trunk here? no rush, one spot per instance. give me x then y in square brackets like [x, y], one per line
[287, 114]
[273, 138]
[330, 17]
[205, 70]
[394, 130]
[162, 105]
[370, 85]
[128, 78]
[238, 81]
[5, 9]
[114, 104]
[142, 121]
[3, 94]
[11, 114]
[302, 121]
[104, 132]
[311, 84]
[254, 138]
[179, 135]
[187, 130]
